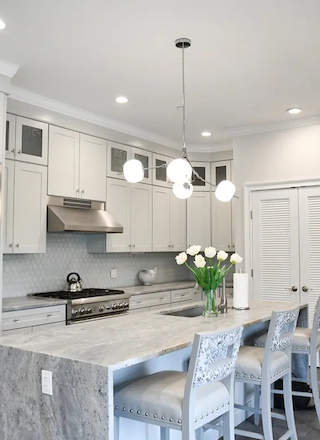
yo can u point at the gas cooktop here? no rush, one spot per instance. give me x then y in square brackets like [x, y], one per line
[84, 293]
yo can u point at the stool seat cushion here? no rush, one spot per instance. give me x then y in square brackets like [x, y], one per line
[160, 396]
[249, 364]
[301, 340]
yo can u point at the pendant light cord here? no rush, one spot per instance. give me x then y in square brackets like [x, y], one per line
[184, 148]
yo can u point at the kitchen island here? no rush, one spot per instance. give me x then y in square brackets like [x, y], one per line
[88, 359]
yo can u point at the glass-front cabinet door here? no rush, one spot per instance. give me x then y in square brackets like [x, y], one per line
[203, 169]
[220, 171]
[160, 174]
[145, 158]
[10, 136]
[31, 141]
[117, 156]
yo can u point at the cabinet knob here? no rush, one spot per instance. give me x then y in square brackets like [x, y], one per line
[49, 314]
[77, 190]
[133, 245]
[305, 289]
[20, 151]
[82, 192]
[11, 244]
[13, 150]
[18, 245]
[16, 320]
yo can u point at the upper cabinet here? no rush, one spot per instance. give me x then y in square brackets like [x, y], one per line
[203, 169]
[25, 208]
[118, 154]
[26, 140]
[160, 174]
[198, 220]
[77, 165]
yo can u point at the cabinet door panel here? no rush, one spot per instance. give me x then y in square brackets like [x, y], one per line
[118, 205]
[141, 218]
[10, 136]
[31, 141]
[220, 171]
[145, 158]
[161, 220]
[30, 208]
[118, 154]
[198, 220]
[8, 195]
[203, 169]
[93, 168]
[221, 224]
[63, 178]
[160, 174]
[178, 223]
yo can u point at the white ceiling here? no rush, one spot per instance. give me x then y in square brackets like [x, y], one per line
[249, 61]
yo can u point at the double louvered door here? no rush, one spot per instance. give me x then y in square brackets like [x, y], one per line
[286, 245]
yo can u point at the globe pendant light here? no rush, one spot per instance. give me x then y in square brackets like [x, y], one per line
[225, 191]
[182, 190]
[179, 170]
[133, 171]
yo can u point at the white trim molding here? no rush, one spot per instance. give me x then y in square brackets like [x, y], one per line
[212, 148]
[8, 69]
[274, 126]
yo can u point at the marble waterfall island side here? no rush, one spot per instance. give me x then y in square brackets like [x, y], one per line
[86, 361]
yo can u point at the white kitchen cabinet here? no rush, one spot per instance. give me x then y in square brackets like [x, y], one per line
[221, 214]
[161, 219]
[148, 300]
[160, 174]
[33, 319]
[77, 165]
[199, 220]
[131, 205]
[10, 136]
[178, 223]
[30, 208]
[141, 218]
[31, 143]
[203, 169]
[8, 195]
[145, 158]
[93, 168]
[63, 169]
[181, 295]
[169, 221]
[25, 208]
[117, 156]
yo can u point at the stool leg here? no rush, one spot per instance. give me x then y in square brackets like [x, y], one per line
[287, 395]
[266, 409]
[164, 433]
[116, 428]
[228, 425]
[256, 416]
[314, 381]
[199, 434]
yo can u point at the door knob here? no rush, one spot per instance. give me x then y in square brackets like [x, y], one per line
[294, 288]
[305, 289]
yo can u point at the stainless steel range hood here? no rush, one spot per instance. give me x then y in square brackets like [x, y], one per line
[77, 215]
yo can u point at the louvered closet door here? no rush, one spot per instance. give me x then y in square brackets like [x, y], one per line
[309, 206]
[275, 245]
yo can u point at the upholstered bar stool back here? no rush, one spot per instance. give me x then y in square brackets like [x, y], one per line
[262, 367]
[306, 342]
[188, 401]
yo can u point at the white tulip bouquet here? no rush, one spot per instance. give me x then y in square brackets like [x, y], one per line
[208, 276]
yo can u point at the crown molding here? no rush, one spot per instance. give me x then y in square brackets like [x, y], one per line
[274, 126]
[212, 148]
[84, 115]
[8, 69]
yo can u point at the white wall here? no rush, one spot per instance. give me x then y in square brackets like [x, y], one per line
[292, 154]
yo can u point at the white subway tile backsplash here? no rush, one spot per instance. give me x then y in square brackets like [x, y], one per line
[32, 273]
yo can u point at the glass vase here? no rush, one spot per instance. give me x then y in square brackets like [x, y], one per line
[209, 304]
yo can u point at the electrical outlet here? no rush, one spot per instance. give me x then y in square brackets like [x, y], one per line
[155, 269]
[113, 273]
[46, 382]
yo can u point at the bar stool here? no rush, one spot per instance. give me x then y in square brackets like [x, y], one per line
[262, 367]
[306, 341]
[188, 401]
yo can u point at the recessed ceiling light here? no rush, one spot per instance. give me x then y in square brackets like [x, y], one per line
[294, 111]
[206, 134]
[122, 100]
[2, 24]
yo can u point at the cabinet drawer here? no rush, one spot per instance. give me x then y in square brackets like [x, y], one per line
[181, 295]
[149, 300]
[33, 317]
[197, 295]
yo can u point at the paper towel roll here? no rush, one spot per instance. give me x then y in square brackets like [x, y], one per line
[240, 290]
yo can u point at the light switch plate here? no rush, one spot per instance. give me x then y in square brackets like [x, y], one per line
[46, 382]
[113, 273]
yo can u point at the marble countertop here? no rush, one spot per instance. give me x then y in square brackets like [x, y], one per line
[129, 339]
[137, 290]
[29, 302]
